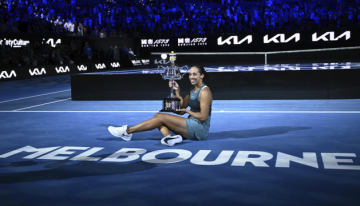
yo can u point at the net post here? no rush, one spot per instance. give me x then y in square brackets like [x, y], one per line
[265, 58]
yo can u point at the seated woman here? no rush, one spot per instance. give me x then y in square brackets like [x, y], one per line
[195, 127]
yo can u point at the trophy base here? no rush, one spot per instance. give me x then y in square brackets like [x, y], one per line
[163, 110]
[171, 104]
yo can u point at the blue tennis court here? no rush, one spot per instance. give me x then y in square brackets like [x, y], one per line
[56, 151]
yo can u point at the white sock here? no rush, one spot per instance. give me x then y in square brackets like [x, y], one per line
[177, 139]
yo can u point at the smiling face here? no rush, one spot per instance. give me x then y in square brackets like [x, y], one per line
[195, 77]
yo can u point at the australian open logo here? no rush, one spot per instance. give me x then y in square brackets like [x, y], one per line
[192, 41]
[155, 42]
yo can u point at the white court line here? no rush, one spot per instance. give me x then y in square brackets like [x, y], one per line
[289, 112]
[35, 96]
[41, 104]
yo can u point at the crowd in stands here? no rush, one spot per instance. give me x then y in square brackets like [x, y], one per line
[44, 54]
[39, 54]
[135, 18]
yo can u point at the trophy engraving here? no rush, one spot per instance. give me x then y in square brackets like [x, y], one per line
[172, 72]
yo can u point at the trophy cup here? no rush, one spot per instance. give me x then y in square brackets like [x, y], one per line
[172, 72]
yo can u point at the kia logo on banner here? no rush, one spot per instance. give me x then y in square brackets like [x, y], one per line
[192, 42]
[163, 61]
[52, 42]
[136, 62]
[145, 61]
[155, 42]
[5, 75]
[14, 43]
[100, 66]
[234, 40]
[331, 36]
[82, 68]
[282, 39]
[37, 72]
[326, 66]
[62, 69]
[115, 65]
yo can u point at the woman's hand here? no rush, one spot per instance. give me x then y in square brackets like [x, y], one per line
[176, 86]
[179, 113]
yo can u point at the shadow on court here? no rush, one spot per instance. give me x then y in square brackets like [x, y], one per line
[259, 132]
[60, 170]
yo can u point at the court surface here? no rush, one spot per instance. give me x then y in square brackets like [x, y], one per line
[259, 152]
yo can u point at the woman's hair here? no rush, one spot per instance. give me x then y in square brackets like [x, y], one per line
[202, 71]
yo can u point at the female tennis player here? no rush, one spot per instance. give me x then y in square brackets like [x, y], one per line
[195, 127]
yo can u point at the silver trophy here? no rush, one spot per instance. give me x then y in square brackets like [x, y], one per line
[172, 72]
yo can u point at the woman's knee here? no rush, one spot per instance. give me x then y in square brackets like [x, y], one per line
[157, 115]
[160, 116]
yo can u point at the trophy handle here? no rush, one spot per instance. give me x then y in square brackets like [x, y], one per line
[162, 74]
[187, 69]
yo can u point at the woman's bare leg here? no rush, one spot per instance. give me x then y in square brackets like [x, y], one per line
[164, 122]
[164, 130]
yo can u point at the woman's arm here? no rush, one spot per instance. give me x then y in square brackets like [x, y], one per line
[205, 101]
[184, 102]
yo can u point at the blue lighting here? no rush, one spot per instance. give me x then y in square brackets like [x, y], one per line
[179, 18]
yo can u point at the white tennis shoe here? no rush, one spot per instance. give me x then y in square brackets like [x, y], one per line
[171, 140]
[120, 132]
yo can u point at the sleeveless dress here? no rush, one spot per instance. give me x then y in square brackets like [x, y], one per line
[197, 129]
